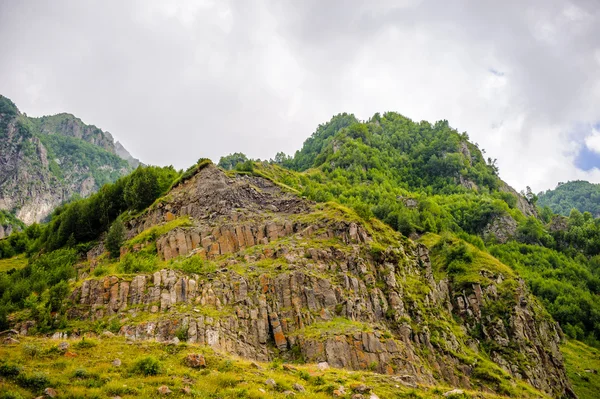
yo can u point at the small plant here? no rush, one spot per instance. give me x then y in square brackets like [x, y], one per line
[276, 364]
[10, 395]
[304, 375]
[182, 334]
[31, 350]
[85, 343]
[318, 380]
[147, 366]
[225, 366]
[373, 366]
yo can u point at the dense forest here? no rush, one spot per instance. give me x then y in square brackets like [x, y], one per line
[416, 177]
[581, 195]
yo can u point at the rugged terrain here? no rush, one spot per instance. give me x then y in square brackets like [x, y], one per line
[286, 278]
[387, 253]
[47, 161]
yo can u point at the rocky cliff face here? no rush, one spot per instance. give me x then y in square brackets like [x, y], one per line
[283, 277]
[46, 161]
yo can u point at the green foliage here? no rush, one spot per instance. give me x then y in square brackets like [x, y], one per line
[567, 287]
[147, 366]
[191, 171]
[229, 162]
[86, 219]
[114, 238]
[193, 265]
[138, 263]
[154, 232]
[35, 381]
[143, 187]
[47, 273]
[578, 194]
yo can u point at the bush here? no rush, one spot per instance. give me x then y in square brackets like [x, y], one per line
[114, 238]
[9, 370]
[35, 382]
[10, 395]
[85, 343]
[137, 263]
[147, 366]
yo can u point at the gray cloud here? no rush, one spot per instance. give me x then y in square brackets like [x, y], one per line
[175, 81]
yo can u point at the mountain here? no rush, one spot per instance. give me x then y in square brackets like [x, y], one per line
[578, 194]
[386, 259]
[47, 161]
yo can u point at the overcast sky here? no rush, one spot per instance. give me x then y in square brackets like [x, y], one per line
[176, 81]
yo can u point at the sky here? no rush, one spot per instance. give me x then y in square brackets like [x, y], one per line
[177, 81]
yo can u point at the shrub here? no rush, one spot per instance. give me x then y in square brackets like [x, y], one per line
[9, 370]
[31, 350]
[137, 263]
[10, 395]
[36, 381]
[147, 366]
[85, 343]
[114, 238]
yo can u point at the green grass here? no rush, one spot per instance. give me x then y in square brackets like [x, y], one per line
[154, 232]
[16, 262]
[148, 365]
[578, 358]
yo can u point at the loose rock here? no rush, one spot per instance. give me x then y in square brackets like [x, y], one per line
[271, 382]
[164, 390]
[195, 360]
[323, 366]
[298, 387]
[453, 392]
[51, 393]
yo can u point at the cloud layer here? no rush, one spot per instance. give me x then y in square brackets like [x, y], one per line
[176, 81]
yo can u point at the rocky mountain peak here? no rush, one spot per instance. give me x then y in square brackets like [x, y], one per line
[281, 276]
[46, 161]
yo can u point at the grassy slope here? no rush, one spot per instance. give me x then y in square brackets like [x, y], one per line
[16, 262]
[90, 373]
[578, 358]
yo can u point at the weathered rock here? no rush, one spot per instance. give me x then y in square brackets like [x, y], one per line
[298, 387]
[453, 392]
[164, 390]
[63, 346]
[271, 382]
[323, 366]
[116, 362]
[195, 360]
[50, 392]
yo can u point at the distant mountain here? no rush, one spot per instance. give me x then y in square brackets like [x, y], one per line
[47, 161]
[579, 194]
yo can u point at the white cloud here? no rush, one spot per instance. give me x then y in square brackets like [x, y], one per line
[175, 81]
[593, 141]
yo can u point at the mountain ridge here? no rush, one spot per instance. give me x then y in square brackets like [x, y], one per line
[47, 160]
[387, 245]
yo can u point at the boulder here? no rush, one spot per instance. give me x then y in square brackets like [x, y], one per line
[195, 360]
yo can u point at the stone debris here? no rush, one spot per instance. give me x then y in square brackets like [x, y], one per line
[195, 360]
[164, 390]
[453, 392]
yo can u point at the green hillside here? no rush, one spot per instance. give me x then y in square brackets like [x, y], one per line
[578, 194]
[452, 289]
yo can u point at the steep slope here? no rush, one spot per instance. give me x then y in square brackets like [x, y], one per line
[581, 195]
[422, 177]
[245, 266]
[46, 161]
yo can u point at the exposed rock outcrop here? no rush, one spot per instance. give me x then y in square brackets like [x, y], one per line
[37, 175]
[294, 279]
